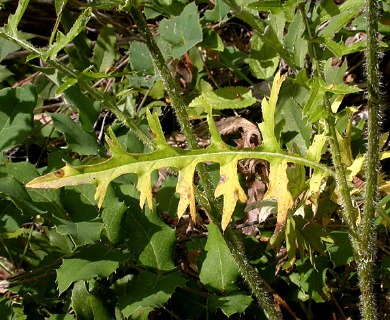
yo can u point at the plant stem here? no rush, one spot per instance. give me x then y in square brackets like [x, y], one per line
[367, 228]
[363, 237]
[349, 211]
[235, 246]
[173, 91]
[255, 281]
[107, 103]
[259, 26]
[312, 51]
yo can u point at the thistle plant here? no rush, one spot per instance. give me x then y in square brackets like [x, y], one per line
[120, 240]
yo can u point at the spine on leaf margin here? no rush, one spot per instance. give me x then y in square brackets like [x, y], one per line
[236, 248]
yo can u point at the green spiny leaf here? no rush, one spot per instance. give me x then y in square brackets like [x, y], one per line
[267, 127]
[143, 165]
[14, 19]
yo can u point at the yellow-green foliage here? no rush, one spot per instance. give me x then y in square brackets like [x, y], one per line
[185, 161]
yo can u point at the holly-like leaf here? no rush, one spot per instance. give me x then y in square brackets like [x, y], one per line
[88, 305]
[219, 271]
[152, 241]
[230, 304]
[147, 292]
[96, 260]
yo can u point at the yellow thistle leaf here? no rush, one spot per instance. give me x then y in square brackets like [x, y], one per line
[145, 188]
[185, 188]
[229, 187]
[278, 189]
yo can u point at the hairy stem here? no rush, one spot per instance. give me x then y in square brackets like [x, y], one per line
[362, 235]
[252, 277]
[236, 248]
[350, 213]
[173, 91]
[367, 229]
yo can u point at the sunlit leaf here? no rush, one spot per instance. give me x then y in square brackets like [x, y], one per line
[143, 165]
[267, 127]
[182, 32]
[263, 60]
[278, 189]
